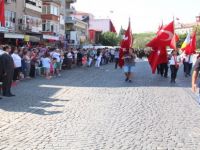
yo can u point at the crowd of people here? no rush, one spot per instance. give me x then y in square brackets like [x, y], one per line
[173, 62]
[19, 63]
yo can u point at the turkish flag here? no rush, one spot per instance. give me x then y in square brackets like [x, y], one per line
[156, 57]
[125, 44]
[166, 34]
[112, 27]
[127, 41]
[2, 13]
[153, 43]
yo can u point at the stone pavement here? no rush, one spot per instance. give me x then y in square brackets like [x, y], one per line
[94, 109]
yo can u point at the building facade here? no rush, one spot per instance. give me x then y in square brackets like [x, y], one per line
[51, 19]
[183, 28]
[23, 21]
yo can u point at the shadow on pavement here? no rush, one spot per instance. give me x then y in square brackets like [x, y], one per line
[39, 95]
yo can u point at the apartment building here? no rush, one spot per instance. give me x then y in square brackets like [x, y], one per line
[51, 19]
[23, 21]
[182, 28]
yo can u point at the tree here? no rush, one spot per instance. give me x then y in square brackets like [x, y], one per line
[109, 39]
[197, 29]
[141, 39]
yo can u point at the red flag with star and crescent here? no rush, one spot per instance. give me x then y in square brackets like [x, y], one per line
[2, 13]
[156, 57]
[165, 35]
[125, 44]
[163, 39]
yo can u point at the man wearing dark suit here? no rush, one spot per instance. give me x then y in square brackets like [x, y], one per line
[8, 71]
[1, 65]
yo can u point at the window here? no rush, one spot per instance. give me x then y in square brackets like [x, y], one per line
[50, 9]
[10, 17]
[44, 9]
[49, 26]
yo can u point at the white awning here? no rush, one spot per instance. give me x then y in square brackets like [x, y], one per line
[13, 36]
[50, 37]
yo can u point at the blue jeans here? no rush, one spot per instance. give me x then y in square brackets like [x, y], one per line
[128, 69]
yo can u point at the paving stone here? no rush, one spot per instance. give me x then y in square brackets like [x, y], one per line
[89, 108]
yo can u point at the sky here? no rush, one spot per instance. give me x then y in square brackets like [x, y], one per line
[145, 15]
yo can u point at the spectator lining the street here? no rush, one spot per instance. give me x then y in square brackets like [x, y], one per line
[18, 64]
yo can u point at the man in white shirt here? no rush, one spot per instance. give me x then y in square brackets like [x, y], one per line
[56, 54]
[69, 59]
[174, 65]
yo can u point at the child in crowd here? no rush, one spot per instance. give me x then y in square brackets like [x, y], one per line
[84, 60]
[54, 66]
[46, 63]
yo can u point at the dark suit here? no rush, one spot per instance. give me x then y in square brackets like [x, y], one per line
[1, 69]
[8, 71]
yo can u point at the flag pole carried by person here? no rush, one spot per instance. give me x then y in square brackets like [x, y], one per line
[158, 44]
[125, 44]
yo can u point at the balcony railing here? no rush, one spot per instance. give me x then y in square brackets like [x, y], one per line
[70, 1]
[54, 1]
[70, 10]
[71, 20]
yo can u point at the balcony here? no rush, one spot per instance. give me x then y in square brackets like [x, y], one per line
[54, 1]
[70, 1]
[70, 10]
[33, 7]
[70, 20]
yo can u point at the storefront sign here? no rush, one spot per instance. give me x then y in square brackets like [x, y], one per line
[13, 36]
[50, 37]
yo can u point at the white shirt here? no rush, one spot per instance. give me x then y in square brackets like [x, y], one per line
[1, 52]
[189, 59]
[17, 60]
[112, 51]
[173, 58]
[46, 62]
[69, 55]
[56, 55]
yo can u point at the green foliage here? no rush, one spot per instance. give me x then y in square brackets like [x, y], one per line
[109, 39]
[141, 39]
[121, 33]
[197, 28]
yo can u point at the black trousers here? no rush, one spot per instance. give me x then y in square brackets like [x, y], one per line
[32, 71]
[184, 67]
[174, 71]
[158, 69]
[7, 83]
[16, 73]
[188, 68]
[164, 69]
[116, 62]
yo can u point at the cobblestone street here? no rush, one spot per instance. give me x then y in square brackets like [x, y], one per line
[95, 109]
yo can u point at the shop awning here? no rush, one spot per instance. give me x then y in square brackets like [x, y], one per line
[30, 38]
[13, 36]
[51, 37]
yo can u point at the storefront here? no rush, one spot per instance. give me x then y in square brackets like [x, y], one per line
[51, 40]
[12, 39]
